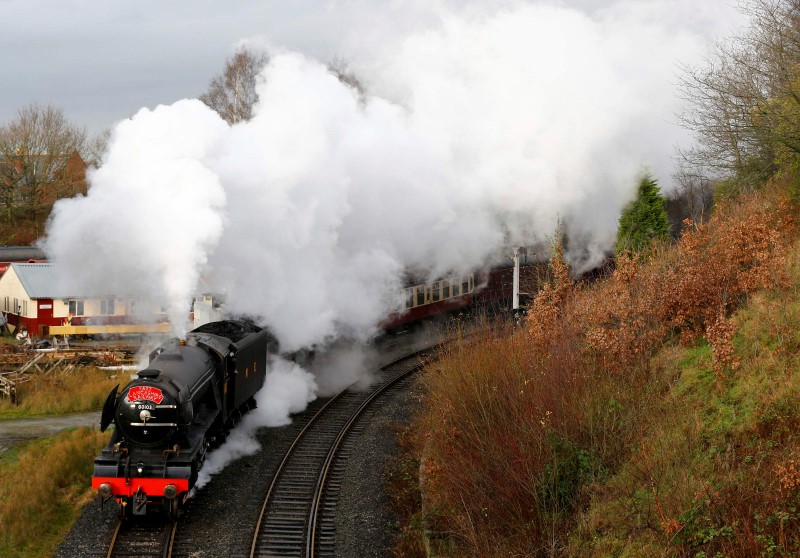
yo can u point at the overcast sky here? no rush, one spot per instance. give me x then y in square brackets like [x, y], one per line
[101, 60]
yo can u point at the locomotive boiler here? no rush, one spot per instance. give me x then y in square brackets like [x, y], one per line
[189, 396]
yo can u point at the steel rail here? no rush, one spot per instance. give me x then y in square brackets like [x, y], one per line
[281, 468]
[163, 549]
[260, 533]
[114, 537]
[333, 452]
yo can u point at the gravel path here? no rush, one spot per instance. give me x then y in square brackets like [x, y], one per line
[13, 431]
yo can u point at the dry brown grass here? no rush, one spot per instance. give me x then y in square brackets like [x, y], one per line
[526, 430]
[42, 486]
[58, 393]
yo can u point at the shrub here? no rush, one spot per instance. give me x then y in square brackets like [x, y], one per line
[528, 427]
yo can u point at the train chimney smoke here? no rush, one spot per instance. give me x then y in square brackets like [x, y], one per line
[484, 125]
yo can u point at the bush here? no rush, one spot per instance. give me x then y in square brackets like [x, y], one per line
[526, 429]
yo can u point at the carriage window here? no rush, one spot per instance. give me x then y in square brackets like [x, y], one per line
[436, 291]
[410, 297]
[445, 289]
[471, 283]
[420, 296]
[465, 286]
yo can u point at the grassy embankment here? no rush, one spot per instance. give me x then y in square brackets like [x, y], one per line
[43, 484]
[56, 393]
[654, 414]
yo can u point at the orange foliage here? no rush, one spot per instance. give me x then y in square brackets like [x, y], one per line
[689, 291]
[521, 422]
[788, 476]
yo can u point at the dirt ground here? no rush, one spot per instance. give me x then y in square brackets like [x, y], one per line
[13, 431]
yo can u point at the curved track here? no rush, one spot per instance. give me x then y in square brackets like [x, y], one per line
[296, 517]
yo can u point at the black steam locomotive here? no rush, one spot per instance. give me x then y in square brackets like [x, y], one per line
[189, 396]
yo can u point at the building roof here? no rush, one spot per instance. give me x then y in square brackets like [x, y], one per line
[40, 280]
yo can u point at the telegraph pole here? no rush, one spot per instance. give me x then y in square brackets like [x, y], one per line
[515, 299]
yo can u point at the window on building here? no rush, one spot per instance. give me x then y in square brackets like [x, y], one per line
[76, 307]
[6, 305]
[107, 307]
[24, 307]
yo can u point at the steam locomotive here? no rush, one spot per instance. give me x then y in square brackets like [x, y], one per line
[188, 398]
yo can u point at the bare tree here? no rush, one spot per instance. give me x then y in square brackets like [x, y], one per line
[692, 199]
[233, 92]
[745, 100]
[40, 161]
[340, 68]
[96, 147]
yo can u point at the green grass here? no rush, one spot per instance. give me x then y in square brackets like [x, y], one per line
[43, 485]
[600, 431]
[719, 448]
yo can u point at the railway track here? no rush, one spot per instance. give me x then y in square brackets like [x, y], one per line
[297, 517]
[142, 540]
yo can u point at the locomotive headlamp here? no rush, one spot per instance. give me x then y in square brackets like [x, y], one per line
[170, 491]
[104, 490]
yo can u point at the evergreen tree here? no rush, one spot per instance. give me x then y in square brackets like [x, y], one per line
[643, 219]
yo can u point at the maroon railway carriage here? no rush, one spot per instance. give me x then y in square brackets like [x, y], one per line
[491, 289]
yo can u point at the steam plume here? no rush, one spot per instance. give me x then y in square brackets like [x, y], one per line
[481, 129]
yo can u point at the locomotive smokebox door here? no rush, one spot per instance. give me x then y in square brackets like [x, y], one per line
[108, 409]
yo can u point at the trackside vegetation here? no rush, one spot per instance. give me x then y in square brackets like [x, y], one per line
[643, 219]
[44, 483]
[652, 414]
[42, 488]
[59, 393]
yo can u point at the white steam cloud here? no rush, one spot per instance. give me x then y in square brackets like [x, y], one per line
[480, 130]
[485, 128]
